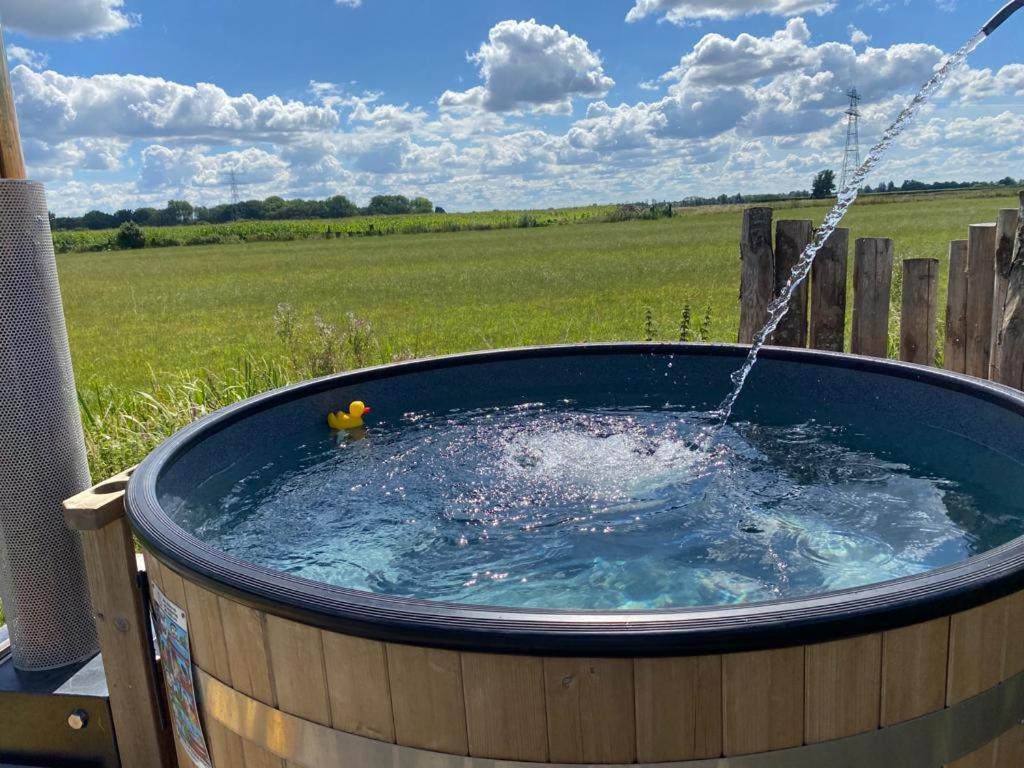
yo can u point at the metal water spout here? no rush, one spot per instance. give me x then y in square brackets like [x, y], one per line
[997, 21]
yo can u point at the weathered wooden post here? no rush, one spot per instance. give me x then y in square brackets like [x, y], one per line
[981, 270]
[872, 295]
[143, 735]
[1006, 234]
[955, 354]
[919, 311]
[757, 279]
[828, 293]
[791, 240]
[1009, 367]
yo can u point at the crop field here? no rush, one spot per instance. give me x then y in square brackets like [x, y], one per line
[159, 336]
[324, 229]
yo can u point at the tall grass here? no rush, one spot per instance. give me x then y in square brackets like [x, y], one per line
[123, 426]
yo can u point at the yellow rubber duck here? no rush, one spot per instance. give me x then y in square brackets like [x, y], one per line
[351, 420]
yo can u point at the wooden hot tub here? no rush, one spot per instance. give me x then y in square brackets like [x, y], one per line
[922, 671]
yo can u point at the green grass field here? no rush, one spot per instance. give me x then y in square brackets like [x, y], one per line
[137, 316]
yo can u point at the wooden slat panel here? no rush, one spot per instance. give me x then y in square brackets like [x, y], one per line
[357, 681]
[757, 271]
[791, 239]
[505, 711]
[678, 708]
[763, 700]
[258, 757]
[248, 657]
[225, 747]
[1010, 749]
[843, 688]
[426, 688]
[976, 651]
[983, 758]
[297, 661]
[206, 633]
[590, 710]
[1014, 661]
[914, 663]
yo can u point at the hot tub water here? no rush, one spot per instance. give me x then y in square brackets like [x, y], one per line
[559, 507]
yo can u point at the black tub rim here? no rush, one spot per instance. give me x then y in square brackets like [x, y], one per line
[718, 629]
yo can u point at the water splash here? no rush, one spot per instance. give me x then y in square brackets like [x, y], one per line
[780, 305]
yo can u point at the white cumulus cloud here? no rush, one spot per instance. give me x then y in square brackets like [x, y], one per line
[683, 11]
[66, 18]
[31, 59]
[531, 66]
[51, 105]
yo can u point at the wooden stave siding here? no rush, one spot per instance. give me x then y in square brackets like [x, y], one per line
[592, 711]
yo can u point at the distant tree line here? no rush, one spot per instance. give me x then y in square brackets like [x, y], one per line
[273, 208]
[824, 186]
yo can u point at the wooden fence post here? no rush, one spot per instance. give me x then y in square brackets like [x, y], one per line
[143, 739]
[1006, 233]
[1009, 367]
[757, 280]
[919, 311]
[872, 295]
[791, 240]
[955, 355]
[828, 293]
[981, 269]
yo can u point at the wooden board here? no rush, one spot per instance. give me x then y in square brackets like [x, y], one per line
[206, 632]
[426, 693]
[919, 311]
[983, 758]
[505, 711]
[791, 239]
[955, 357]
[678, 708]
[828, 293]
[757, 278]
[981, 269]
[357, 681]
[590, 714]
[872, 293]
[297, 658]
[1010, 749]
[914, 661]
[977, 640]
[1006, 235]
[1013, 660]
[763, 701]
[248, 657]
[842, 688]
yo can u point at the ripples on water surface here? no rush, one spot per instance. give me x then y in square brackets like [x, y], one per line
[548, 506]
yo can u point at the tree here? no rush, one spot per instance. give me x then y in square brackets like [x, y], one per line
[890, 187]
[824, 184]
[388, 204]
[98, 220]
[178, 212]
[130, 235]
[421, 205]
[340, 207]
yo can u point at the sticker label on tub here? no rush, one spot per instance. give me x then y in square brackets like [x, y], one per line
[176, 660]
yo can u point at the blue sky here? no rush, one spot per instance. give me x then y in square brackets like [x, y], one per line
[493, 103]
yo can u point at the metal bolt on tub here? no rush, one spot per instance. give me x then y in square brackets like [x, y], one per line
[78, 719]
